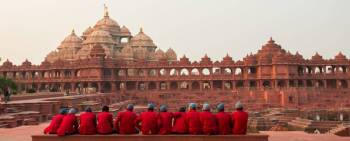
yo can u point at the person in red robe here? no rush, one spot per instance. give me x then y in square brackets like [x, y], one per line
[223, 120]
[148, 120]
[125, 121]
[105, 121]
[87, 122]
[69, 124]
[180, 126]
[55, 122]
[165, 120]
[193, 121]
[239, 120]
[208, 121]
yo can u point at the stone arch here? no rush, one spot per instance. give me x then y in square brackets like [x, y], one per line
[163, 85]
[227, 85]
[173, 85]
[141, 72]
[131, 72]
[300, 70]
[184, 71]
[329, 69]
[267, 84]
[217, 84]
[309, 83]
[227, 71]
[308, 70]
[173, 72]
[238, 71]
[195, 85]
[318, 70]
[206, 71]
[152, 85]
[121, 72]
[94, 87]
[162, 72]
[206, 85]
[281, 83]
[195, 71]
[252, 70]
[320, 84]
[141, 86]
[343, 84]
[184, 85]
[152, 72]
[216, 70]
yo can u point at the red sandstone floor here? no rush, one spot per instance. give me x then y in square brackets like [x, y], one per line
[23, 134]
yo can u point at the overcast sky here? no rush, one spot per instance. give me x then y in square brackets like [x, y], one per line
[32, 28]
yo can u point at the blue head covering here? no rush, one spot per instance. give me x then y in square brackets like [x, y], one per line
[206, 107]
[63, 111]
[220, 106]
[151, 106]
[130, 107]
[192, 105]
[163, 108]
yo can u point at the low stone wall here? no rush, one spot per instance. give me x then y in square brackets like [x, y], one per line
[249, 137]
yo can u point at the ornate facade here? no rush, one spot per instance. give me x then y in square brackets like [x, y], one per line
[108, 59]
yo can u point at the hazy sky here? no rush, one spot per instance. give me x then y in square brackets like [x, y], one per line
[32, 28]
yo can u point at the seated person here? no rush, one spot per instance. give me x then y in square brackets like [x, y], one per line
[239, 120]
[148, 120]
[180, 126]
[165, 120]
[125, 121]
[208, 120]
[105, 121]
[87, 122]
[69, 124]
[55, 122]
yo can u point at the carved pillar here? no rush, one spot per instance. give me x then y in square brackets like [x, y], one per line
[100, 87]
[201, 85]
[325, 83]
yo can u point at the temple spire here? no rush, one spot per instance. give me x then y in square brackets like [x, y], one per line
[73, 32]
[105, 10]
[141, 29]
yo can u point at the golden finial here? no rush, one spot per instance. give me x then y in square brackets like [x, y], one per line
[141, 29]
[105, 10]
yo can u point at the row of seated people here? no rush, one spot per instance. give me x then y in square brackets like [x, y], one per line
[151, 122]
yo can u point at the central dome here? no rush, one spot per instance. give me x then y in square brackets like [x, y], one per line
[108, 24]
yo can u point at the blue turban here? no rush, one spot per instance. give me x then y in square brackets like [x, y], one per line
[220, 106]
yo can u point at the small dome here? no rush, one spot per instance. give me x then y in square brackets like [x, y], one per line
[99, 36]
[160, 54]
[88, 31]
[142, 40]
[171, 55]
[71, 41]
[125, 31]
[26, 63]
[7, 63]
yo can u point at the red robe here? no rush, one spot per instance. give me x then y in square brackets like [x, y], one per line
[208, 122]
[54, 125]
[239, 121]
[224, 123]
[104, 123]
[125, 122]
[193, 122]
[165, 122]
[180, 126]
[68, 126]
[149, 121]
[87, 123]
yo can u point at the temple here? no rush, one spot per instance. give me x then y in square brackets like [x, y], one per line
[107, 58]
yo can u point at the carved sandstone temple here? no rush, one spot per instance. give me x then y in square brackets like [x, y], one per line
[107, 58]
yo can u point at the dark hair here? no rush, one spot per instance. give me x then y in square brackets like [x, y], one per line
[239, 109]
[88, 109]
[182, 109]
[221, 110]
[105, 109]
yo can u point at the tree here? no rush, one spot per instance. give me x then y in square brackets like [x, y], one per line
[5, 82]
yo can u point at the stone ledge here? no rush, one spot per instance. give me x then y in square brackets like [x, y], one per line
[116, 137]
